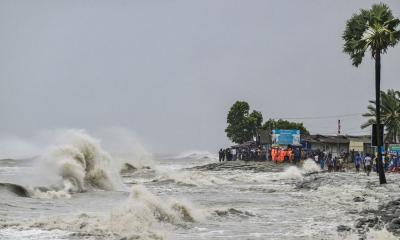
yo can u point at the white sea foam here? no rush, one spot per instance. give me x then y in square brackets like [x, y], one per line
[291, 172]
[195, 178]
[309, 166]
[373, 234]
[144, 214]
[380, 235]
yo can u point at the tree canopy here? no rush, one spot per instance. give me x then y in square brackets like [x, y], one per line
[390, 113]
[374, 29]
[284, 124]
[242, 125]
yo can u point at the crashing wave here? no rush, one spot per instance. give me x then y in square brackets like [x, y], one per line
[293, 172]
[76, 163]
[83, 164]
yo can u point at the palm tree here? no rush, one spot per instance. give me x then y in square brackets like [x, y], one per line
[376, 30]
[390, 114]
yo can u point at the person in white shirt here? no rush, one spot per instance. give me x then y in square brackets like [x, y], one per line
[368, 164]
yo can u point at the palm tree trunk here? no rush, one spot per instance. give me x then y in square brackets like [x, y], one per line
[381, 171]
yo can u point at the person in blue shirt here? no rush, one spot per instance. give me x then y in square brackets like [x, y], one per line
[357, 162]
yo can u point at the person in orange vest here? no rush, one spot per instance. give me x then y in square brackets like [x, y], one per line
[275, 155]
[282, 155]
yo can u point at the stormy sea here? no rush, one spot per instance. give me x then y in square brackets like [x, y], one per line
[77, 189]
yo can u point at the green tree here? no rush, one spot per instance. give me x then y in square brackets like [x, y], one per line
[242, 125]
[390, 114]
[255, 121]
[375, 30]
[284, 124]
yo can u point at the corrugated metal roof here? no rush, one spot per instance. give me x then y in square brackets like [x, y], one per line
[317, 138]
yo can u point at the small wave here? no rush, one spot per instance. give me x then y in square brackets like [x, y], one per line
[15, 189]
[233, 212]
[197, 155]
[189, 178]
[33, 192]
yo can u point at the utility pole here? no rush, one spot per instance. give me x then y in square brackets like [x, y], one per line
[379, 144]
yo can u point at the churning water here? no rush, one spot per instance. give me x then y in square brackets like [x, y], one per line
[77, 190]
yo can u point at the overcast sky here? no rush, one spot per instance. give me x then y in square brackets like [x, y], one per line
[170, 70]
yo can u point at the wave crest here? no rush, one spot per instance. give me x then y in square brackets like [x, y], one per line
[82, 164]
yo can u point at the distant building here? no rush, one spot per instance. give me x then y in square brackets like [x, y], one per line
[337, 144]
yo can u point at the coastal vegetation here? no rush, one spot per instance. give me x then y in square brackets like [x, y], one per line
[390, 114]
[243, 125]
[284, 124]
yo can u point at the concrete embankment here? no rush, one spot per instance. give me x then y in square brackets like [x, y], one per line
[256, 166]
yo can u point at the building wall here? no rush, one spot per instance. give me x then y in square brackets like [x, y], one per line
[336, 148]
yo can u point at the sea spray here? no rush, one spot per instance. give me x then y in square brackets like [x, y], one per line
[127, 150]
[309, 166]
[291, 172]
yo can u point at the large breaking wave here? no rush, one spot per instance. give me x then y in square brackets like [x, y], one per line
[75, 163]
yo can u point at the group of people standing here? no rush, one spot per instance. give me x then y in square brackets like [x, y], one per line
[367, 162]
[233, 154]
[391, 163]
[326, 160]
[225, 155]
[333, 163]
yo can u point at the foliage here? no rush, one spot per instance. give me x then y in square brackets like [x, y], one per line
[255, 120]
[374, 29]
[242, 125]
[390, 113]
[284, 124]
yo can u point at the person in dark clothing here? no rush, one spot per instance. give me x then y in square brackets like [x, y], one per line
[228, 154]
[221, 154]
